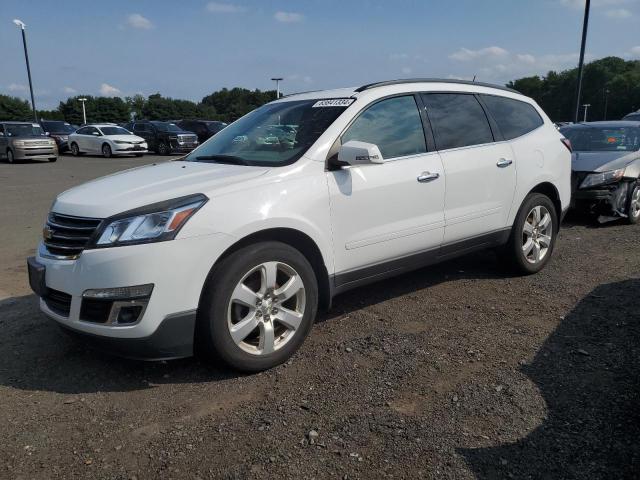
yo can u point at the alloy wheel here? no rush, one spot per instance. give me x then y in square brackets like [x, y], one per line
[537, 234]
[634, 205]
[266, 308]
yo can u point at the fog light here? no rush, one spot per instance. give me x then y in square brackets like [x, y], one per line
[130, 313]
[120, 293]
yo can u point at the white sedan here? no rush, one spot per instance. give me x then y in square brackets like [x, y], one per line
[106, 139]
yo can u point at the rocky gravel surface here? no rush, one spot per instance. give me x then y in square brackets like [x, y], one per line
[458, 371]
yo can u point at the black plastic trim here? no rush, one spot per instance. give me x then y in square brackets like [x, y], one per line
[173, 339]
[344, 281]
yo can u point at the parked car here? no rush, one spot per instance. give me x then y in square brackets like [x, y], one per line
[606, 168]
[632, 117]
[234, 247]
[204, 129]
[106, 139]
[164, 138]
[59, 131]
[26, 141]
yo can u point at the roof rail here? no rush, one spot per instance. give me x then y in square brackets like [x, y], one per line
[431, 80]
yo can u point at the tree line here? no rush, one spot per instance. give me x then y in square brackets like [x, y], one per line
[225, 105]
[611, 86]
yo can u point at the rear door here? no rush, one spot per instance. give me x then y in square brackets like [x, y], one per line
[382, 214]
[480, 171]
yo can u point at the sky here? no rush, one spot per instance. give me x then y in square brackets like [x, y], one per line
[190, 48]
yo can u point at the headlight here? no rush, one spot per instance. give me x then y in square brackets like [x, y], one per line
[121, 142]
[155, 223]
[603, 178]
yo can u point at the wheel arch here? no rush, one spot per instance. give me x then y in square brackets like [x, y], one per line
[295, 239]
[549, 189]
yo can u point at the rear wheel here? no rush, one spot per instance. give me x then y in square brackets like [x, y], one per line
[75, 151]
[634, 205]
[258, 306]
[533, 235]
[163, 148]
[106, 151]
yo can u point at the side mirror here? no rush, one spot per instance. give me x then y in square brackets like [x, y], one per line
[359, 153]
[97, 134]
[47, 133]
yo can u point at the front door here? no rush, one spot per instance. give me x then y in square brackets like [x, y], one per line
[480, 173]
[382, 213]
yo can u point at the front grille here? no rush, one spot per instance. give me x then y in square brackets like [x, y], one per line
[37, 142]
[67, 236]
[187, 138]
[58, 302]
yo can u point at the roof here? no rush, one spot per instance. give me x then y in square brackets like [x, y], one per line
[431, 80]
[606, 123]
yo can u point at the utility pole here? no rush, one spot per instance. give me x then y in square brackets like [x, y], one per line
[277, 80]
[586, 107]
[585, 26]
[20, 24]
[84, 112]
[606, 102]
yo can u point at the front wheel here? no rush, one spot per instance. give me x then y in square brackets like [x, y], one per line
[53, 159]
[106, 151]
[258, 306]
[633, 216]
[163, 148]
[533, 235]
[10, 157]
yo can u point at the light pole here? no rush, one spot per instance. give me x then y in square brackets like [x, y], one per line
[84, 112]
[606, 102]
[277, 80]
[585, 26]
[586, 107]
[20, 24]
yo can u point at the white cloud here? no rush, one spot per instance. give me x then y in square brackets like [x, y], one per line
[526, 58]
[69, 90]
[109, 90]
[618, 13]
[215, 7]
[17, 87]
[466, 54]
[135, 20]
[288, 17]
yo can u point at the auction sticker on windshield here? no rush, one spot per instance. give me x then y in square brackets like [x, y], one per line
[334, 102]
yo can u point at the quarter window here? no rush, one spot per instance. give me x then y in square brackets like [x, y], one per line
[458, 120]
[394, 125]
[514, 118]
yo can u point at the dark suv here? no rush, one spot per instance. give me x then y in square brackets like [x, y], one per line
[164, 137]
[205, 129]
[59, 131]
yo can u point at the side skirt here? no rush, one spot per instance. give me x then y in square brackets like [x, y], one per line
[341, 282]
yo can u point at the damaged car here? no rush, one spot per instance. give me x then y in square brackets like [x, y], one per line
[606, 168]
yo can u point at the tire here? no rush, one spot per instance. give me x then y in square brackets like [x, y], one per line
[138, 154]
[75, 150]
[53, 159]
[633, 208]
[163, 148]
[106, 151]
[10, 157]
[530, 246]
[267, 340]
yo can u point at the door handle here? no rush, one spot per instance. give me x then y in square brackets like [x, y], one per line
[426, 177]
[504, 162]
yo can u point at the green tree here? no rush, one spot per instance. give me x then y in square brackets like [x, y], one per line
[234, 103]
[99, 109]
[13, 108]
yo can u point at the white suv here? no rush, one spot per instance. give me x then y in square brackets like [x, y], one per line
[231, 250]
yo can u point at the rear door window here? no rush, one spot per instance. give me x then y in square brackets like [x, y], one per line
[394, 125]
[457, 119]
[514, 118]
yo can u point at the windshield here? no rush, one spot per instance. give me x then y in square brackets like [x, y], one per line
[603, 139]
[24, 130]
[275, 134]
[115, 131]
[167, 127]
[57, 127]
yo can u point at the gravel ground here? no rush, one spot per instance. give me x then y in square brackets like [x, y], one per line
[456, 371]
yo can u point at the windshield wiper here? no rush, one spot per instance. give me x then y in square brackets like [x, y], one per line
[231, 159]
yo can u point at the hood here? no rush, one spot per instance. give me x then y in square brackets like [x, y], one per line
[142, 186]
[126, 138]
[601, 161]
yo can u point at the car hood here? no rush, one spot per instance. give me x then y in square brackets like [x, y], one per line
[142, 186]
[601, 161]
[125, 138]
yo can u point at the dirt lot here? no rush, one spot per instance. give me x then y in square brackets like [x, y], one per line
[456, 371]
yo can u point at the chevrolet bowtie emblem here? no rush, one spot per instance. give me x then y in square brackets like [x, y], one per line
[47, 233]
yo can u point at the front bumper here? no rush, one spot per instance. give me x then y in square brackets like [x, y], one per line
[35, 153]
[605, 200]
[178, 270]
[178, 148]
